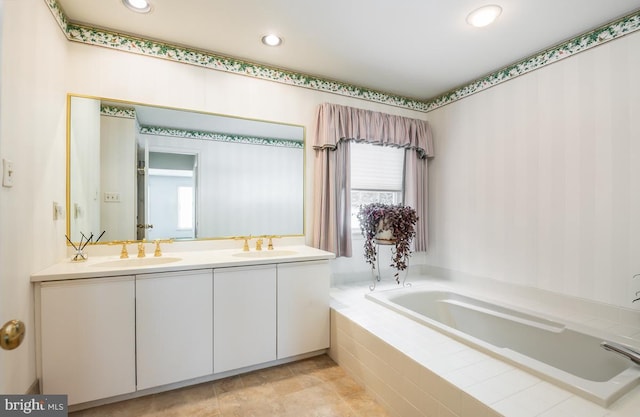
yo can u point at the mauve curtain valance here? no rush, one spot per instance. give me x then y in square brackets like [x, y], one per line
[337, 126]
[336, 123]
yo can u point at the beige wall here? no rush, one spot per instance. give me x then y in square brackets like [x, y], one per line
[537, 181]
[32, 135]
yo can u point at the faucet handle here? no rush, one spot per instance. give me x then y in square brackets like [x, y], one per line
[259, 242]
[245, 247]
[270, 243]
[123, 252]
[141, 253]
[158, 251]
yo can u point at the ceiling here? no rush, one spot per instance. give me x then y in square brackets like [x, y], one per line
[418, 49]
[205, 122]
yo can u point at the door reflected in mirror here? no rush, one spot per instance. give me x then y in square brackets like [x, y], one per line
[171, 190]
[147, 172]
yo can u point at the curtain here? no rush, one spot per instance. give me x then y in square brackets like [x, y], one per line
[336, 125]
[416, 184]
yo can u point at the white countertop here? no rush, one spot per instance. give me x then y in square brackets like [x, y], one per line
[110, 266]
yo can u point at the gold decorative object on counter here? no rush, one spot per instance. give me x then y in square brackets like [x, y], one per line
[12, 334]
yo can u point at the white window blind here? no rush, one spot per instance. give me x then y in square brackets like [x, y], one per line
[376, 176]
[375, 167]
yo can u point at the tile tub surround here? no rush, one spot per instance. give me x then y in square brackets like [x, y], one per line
[311, 387]
[416, 371]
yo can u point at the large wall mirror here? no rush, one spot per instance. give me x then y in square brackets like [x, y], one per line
[146, 172]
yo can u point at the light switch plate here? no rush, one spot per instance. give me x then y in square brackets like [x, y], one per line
[58, 211]
[8, 173]
[111, 197]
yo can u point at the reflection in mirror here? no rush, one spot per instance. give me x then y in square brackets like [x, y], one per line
[145, 172]
[171, 191]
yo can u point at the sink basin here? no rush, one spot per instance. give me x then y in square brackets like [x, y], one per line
[133, 262]
[265, 253]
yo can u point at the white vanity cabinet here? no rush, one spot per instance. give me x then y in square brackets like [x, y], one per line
[87, 337]
[244, 317]
[303, 307]
[174, 327]
[106, 335]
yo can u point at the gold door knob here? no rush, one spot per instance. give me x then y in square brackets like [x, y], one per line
[11, 334]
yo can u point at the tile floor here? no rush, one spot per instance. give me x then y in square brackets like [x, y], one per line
[314, 387]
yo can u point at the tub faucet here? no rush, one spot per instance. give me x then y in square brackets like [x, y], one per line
[623, 350]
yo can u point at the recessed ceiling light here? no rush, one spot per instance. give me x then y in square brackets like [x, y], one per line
[140, 6]
[271, 40]
[484, 16]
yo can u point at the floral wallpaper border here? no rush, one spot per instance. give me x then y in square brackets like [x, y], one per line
[220, 137]
[130, 113]
[117, 111]
[99, 37]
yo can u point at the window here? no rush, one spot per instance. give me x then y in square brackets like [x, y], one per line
[376, 176]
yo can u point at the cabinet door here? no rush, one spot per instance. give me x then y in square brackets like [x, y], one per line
[244, 304]
[87, 333]
[303, 307]
[173, 327]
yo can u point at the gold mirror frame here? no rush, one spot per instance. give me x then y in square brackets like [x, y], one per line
[125, 103]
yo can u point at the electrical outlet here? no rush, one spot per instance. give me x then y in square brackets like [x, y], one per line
[111, 197]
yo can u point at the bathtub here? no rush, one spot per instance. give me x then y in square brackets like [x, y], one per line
[569, 356]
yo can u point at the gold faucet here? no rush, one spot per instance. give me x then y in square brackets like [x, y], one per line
[124, 254]
[270, 244]
[141, 253]
[158, 252]
[245, 247]
[259, 244]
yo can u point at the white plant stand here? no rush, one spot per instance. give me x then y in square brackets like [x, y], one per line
[375, 270]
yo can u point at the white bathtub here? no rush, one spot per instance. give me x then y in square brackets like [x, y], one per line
[550, 349]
